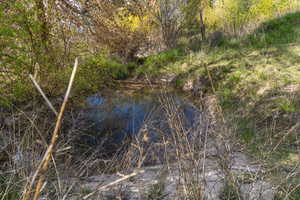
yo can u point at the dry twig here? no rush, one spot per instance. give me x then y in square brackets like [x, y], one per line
[43, 94]
[43, 166]
[113, 183]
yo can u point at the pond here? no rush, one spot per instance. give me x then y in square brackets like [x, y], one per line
[149, 117]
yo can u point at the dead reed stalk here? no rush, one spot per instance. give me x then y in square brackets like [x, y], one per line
[43, 166]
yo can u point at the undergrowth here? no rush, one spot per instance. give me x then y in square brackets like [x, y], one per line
[255, 78]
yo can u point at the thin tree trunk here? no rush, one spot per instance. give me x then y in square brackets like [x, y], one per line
[45, 32]
[202, 26]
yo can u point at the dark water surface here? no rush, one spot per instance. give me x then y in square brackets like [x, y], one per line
[121, 117]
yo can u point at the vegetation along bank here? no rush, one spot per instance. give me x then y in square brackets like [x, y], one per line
[232, 67]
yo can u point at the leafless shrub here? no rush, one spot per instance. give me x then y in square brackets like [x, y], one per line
[170, 21]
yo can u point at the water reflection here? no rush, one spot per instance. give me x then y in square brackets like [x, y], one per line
[126, 116]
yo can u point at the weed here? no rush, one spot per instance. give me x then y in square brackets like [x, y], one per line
[7, 189]
[229, 193]
[245, 130]
[285, 105]
[293, 193]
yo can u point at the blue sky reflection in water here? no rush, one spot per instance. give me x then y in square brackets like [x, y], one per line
[126, 116]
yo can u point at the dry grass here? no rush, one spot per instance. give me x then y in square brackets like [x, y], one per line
[187, 150]
[24, 135]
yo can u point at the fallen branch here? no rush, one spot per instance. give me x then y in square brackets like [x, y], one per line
[113, 183]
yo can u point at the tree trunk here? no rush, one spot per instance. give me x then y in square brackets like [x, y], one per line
[45, 32]
[202, 26]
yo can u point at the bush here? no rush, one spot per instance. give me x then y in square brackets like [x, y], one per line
[97, 72]
[238, 16]
[121, 28]
[154, 63]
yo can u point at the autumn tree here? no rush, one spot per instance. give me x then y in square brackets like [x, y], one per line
[119, 27]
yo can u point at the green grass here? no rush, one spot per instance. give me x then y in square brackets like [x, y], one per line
[256, 79]
[281, 30]
[155, 64]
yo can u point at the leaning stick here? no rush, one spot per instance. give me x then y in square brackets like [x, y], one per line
[293, 128]
[43, 94]
[43, 166]
[113, 183]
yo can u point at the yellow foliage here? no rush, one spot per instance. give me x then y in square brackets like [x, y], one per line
[235, 15]
[133, 23]
[230, 15]
[263, 8]
[214, 17]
